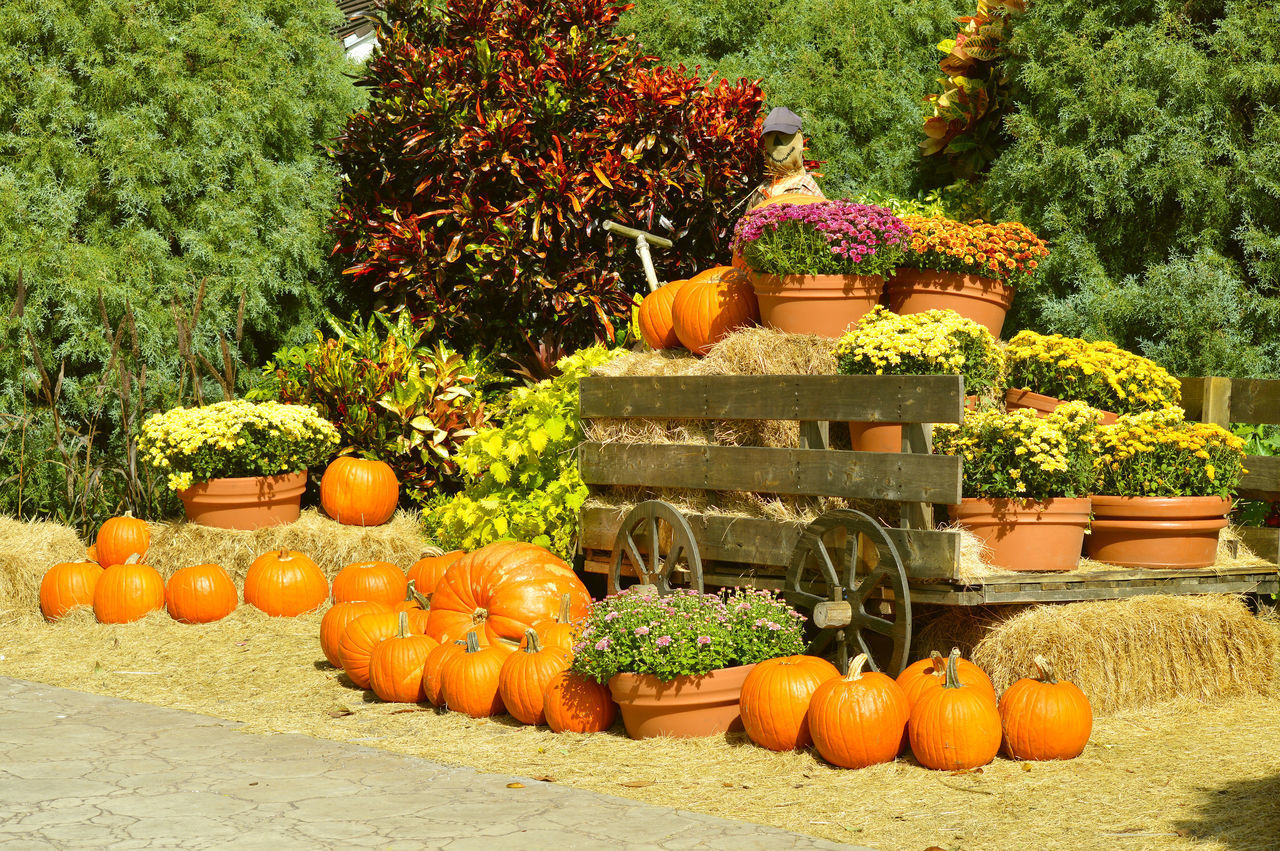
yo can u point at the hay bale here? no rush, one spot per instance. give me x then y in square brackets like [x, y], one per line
[27, 550]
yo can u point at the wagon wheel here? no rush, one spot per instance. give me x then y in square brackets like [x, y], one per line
[657, 542]
[843, 562]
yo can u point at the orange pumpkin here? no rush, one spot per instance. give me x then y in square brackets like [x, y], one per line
[91, 553]
[121, 537]
[380, 581]
[919, 677]
[500, 591]
[336, 621]
[956, 726]
[359, 639]
[127, 592]
[202, 593]
[791, 198]
[285, 584]
[1043, 718]
[712, 305]
[395, 666]
[433, 669]
[775, 700]
[556, 633]
[654, 317]
[857, 720]
[359, 492]
[525, 675]
[427, 571]
[68, 586]
[469, 680]
[578, 704]
[417, 607]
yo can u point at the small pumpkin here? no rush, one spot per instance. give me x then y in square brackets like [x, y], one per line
[1044, 718]
[359, 639]
[336, 621]
[359, 492]
[380, 581]
[556, 633]
[417, 607]
[799, 198]
[525, 675]
[919, 677]
[121, 537]
[395, 667]
[201, 593]
[469, 681]
[775, 700]
[654, 317]
[857, 720]
[91, 554]
[68, 586]
[127, 592]
[956, 726]
[433, 669]
[712, 305]
[426, 572]
[285, 584]
[575, 703]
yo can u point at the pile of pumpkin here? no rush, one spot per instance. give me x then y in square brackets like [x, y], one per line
[945, 710]
[698, 312]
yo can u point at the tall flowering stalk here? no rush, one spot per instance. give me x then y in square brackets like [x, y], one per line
[831, 238]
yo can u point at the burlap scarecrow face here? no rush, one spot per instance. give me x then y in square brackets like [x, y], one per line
[783, 152]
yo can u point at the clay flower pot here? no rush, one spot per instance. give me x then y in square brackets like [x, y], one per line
[825, 305]
[1044, 405]
[1027, 535]
[875, 437]
[685, 708]
[984, 300]
[250, 502]
[1157, 532]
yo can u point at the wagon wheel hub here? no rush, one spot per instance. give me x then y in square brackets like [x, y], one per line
[657, 543]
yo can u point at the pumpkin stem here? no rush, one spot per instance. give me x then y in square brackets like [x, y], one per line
[938, 664]
[412, 595]
[953, 679]
[473, 642]
[1047, 674]
[564, 609]
[404, 624]
[855, 668]
[283, 555]
[532, 644]
[133, 558]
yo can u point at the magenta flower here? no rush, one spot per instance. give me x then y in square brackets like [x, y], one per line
[704, 640]
[664, 640]
[642, 630]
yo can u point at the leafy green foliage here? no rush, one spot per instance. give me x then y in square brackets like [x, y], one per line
[521, 479]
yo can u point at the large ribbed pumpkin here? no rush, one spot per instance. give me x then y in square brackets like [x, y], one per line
[433, 669]
[121, 537]
[285, 583]
[379, 581]
[654, 317]
[1043, 718]
[359, 639]
[68, 586]
[500, 591]
[711, 305]
[525, 675]
[574, 703]
[857, 720]
[127, 592]
[201, 593]
[395, 666]
[359, 492]
[426, 572]
[469, 680]
[956, 726]
[336, 621]
[775, 700]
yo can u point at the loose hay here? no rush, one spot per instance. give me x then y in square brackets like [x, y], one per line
[27, 550]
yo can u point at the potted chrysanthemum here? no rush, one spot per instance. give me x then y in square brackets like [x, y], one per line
[818, 268]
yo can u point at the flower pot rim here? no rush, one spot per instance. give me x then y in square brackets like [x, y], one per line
[1116, 499]
[964, 277]
[683, 679]
[1066, 502]
[280, 476]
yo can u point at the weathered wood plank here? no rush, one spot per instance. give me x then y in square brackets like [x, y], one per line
[1262, 542]
[1193, 397]
[855, 475]
[869, 398]
[1216, 404]
[1119, 575]
[1255, 401]
[1263, 476]
[917, 438]
[815, 435]
[1224, 585]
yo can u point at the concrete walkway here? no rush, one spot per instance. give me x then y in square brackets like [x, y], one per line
[84, 771]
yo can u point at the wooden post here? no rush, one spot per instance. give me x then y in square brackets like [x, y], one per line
[917, 438]
[815, 435]
[1217, 402]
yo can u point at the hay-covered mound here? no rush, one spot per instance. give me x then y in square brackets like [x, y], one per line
[27, 550]
[1124, 654]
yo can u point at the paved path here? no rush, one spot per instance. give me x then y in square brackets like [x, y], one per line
[80, 770]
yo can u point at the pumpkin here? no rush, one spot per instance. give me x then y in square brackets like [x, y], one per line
[395, 667]
[711, 305]
[524, 677]
[469, 681]
[556, 633]
[775, 700]
[857, 720]
[359, 639]
[285, 584]
[433, 669]
[427, 571]
[417, 607]
[127, 592]
[500, 591]
[799, 198]
[359, 492]
[380, 581]
[919, 677]
[578, 704]
[91, 554]
[956, 726]
[1043, 718]
[68, 586]
[336, 621]
[202, 593]
[121, 537]
[654, 317]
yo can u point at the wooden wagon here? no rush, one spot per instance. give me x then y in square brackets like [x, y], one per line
[856, 577]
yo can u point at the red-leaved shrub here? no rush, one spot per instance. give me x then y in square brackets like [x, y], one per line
[498, 137]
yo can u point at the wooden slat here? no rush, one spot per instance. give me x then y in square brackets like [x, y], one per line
[1258, 581]
[865, 398]
[1121, 575]
[815, 435]
[1263, 477]
[1193, 397]
[1262, 542]
[855, 475]
[1255, 401]
[1215, 406]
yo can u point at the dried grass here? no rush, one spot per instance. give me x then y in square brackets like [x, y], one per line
[27, 550]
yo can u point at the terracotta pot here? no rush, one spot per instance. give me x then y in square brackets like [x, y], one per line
[825, 305]
[875, 437]
[249, 502]
[984, 300]
[1157, 532]
[1044, 405]
[685, 708]
[1027, 535]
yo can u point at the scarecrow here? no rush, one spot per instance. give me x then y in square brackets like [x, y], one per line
[783, 158]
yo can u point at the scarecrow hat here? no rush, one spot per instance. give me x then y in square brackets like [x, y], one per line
[781, 120]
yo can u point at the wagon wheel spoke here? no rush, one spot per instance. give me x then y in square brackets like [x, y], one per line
[633, 554]
[876, 624]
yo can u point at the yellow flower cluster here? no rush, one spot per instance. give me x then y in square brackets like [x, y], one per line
[1159, 453]
[1102, 374]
